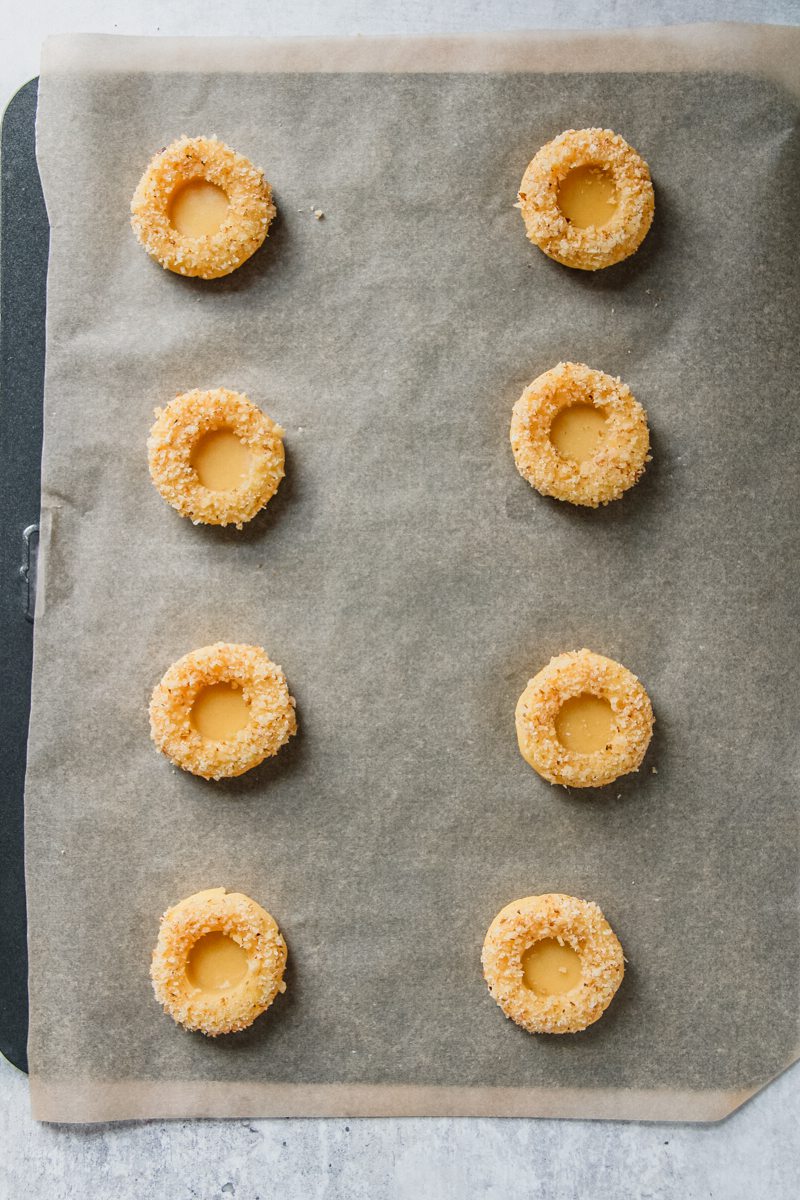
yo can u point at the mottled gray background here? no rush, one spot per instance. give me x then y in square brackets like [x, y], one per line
[748, 1155]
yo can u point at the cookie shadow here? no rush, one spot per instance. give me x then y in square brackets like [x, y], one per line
[627, 789]
[267, 1026]
[624, 274]
[636, 504]
[264, 522]
[604, 1028]
[267, 264]
[617, 1013]
[289, 761]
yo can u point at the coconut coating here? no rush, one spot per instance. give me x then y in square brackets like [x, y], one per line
[621, 455]
[591, 248]
[246, 923]
[574, 674]
[576, 923]
[244, 228]
[264, 690]
[177, 430]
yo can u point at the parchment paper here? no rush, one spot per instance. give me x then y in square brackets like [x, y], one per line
[410, 582]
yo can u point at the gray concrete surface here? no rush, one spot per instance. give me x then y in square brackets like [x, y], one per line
[750, 1156]
[753, 1155]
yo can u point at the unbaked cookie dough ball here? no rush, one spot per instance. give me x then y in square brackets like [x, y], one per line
[579, 435]
[221, 710]
[215, 457]
[584, 720]
[587, 199]
[552, 963]
[218, 962]
[201, 209]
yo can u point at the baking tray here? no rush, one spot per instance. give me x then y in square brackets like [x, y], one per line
[676, 574]
[24, 238]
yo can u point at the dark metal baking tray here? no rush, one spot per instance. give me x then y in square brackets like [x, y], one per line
[24, 238]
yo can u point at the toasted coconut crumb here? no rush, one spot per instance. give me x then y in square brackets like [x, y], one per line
[591, 248]
[250, 208]
[179, 427]
[264, 689]
[574, 674]
[246, 923]
[576, 923]
[621, 455]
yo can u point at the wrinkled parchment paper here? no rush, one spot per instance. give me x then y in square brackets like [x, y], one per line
[410, 582]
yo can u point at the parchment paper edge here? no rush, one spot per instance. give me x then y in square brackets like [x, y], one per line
[769, 50]
[126, 1100]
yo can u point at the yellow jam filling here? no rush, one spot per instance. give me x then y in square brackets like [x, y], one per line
[198, 208]
[220, 460]
[577, 432]
[216, 963]
[219, 712]
[587, 197]
[585, 724]
[549, 968]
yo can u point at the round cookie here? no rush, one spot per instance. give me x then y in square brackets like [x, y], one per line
[584, 720]
[218, 962]
[215, 457]
[221, 710]
[572, 933]
[579, 435]
[587, 199]
[201, 209]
